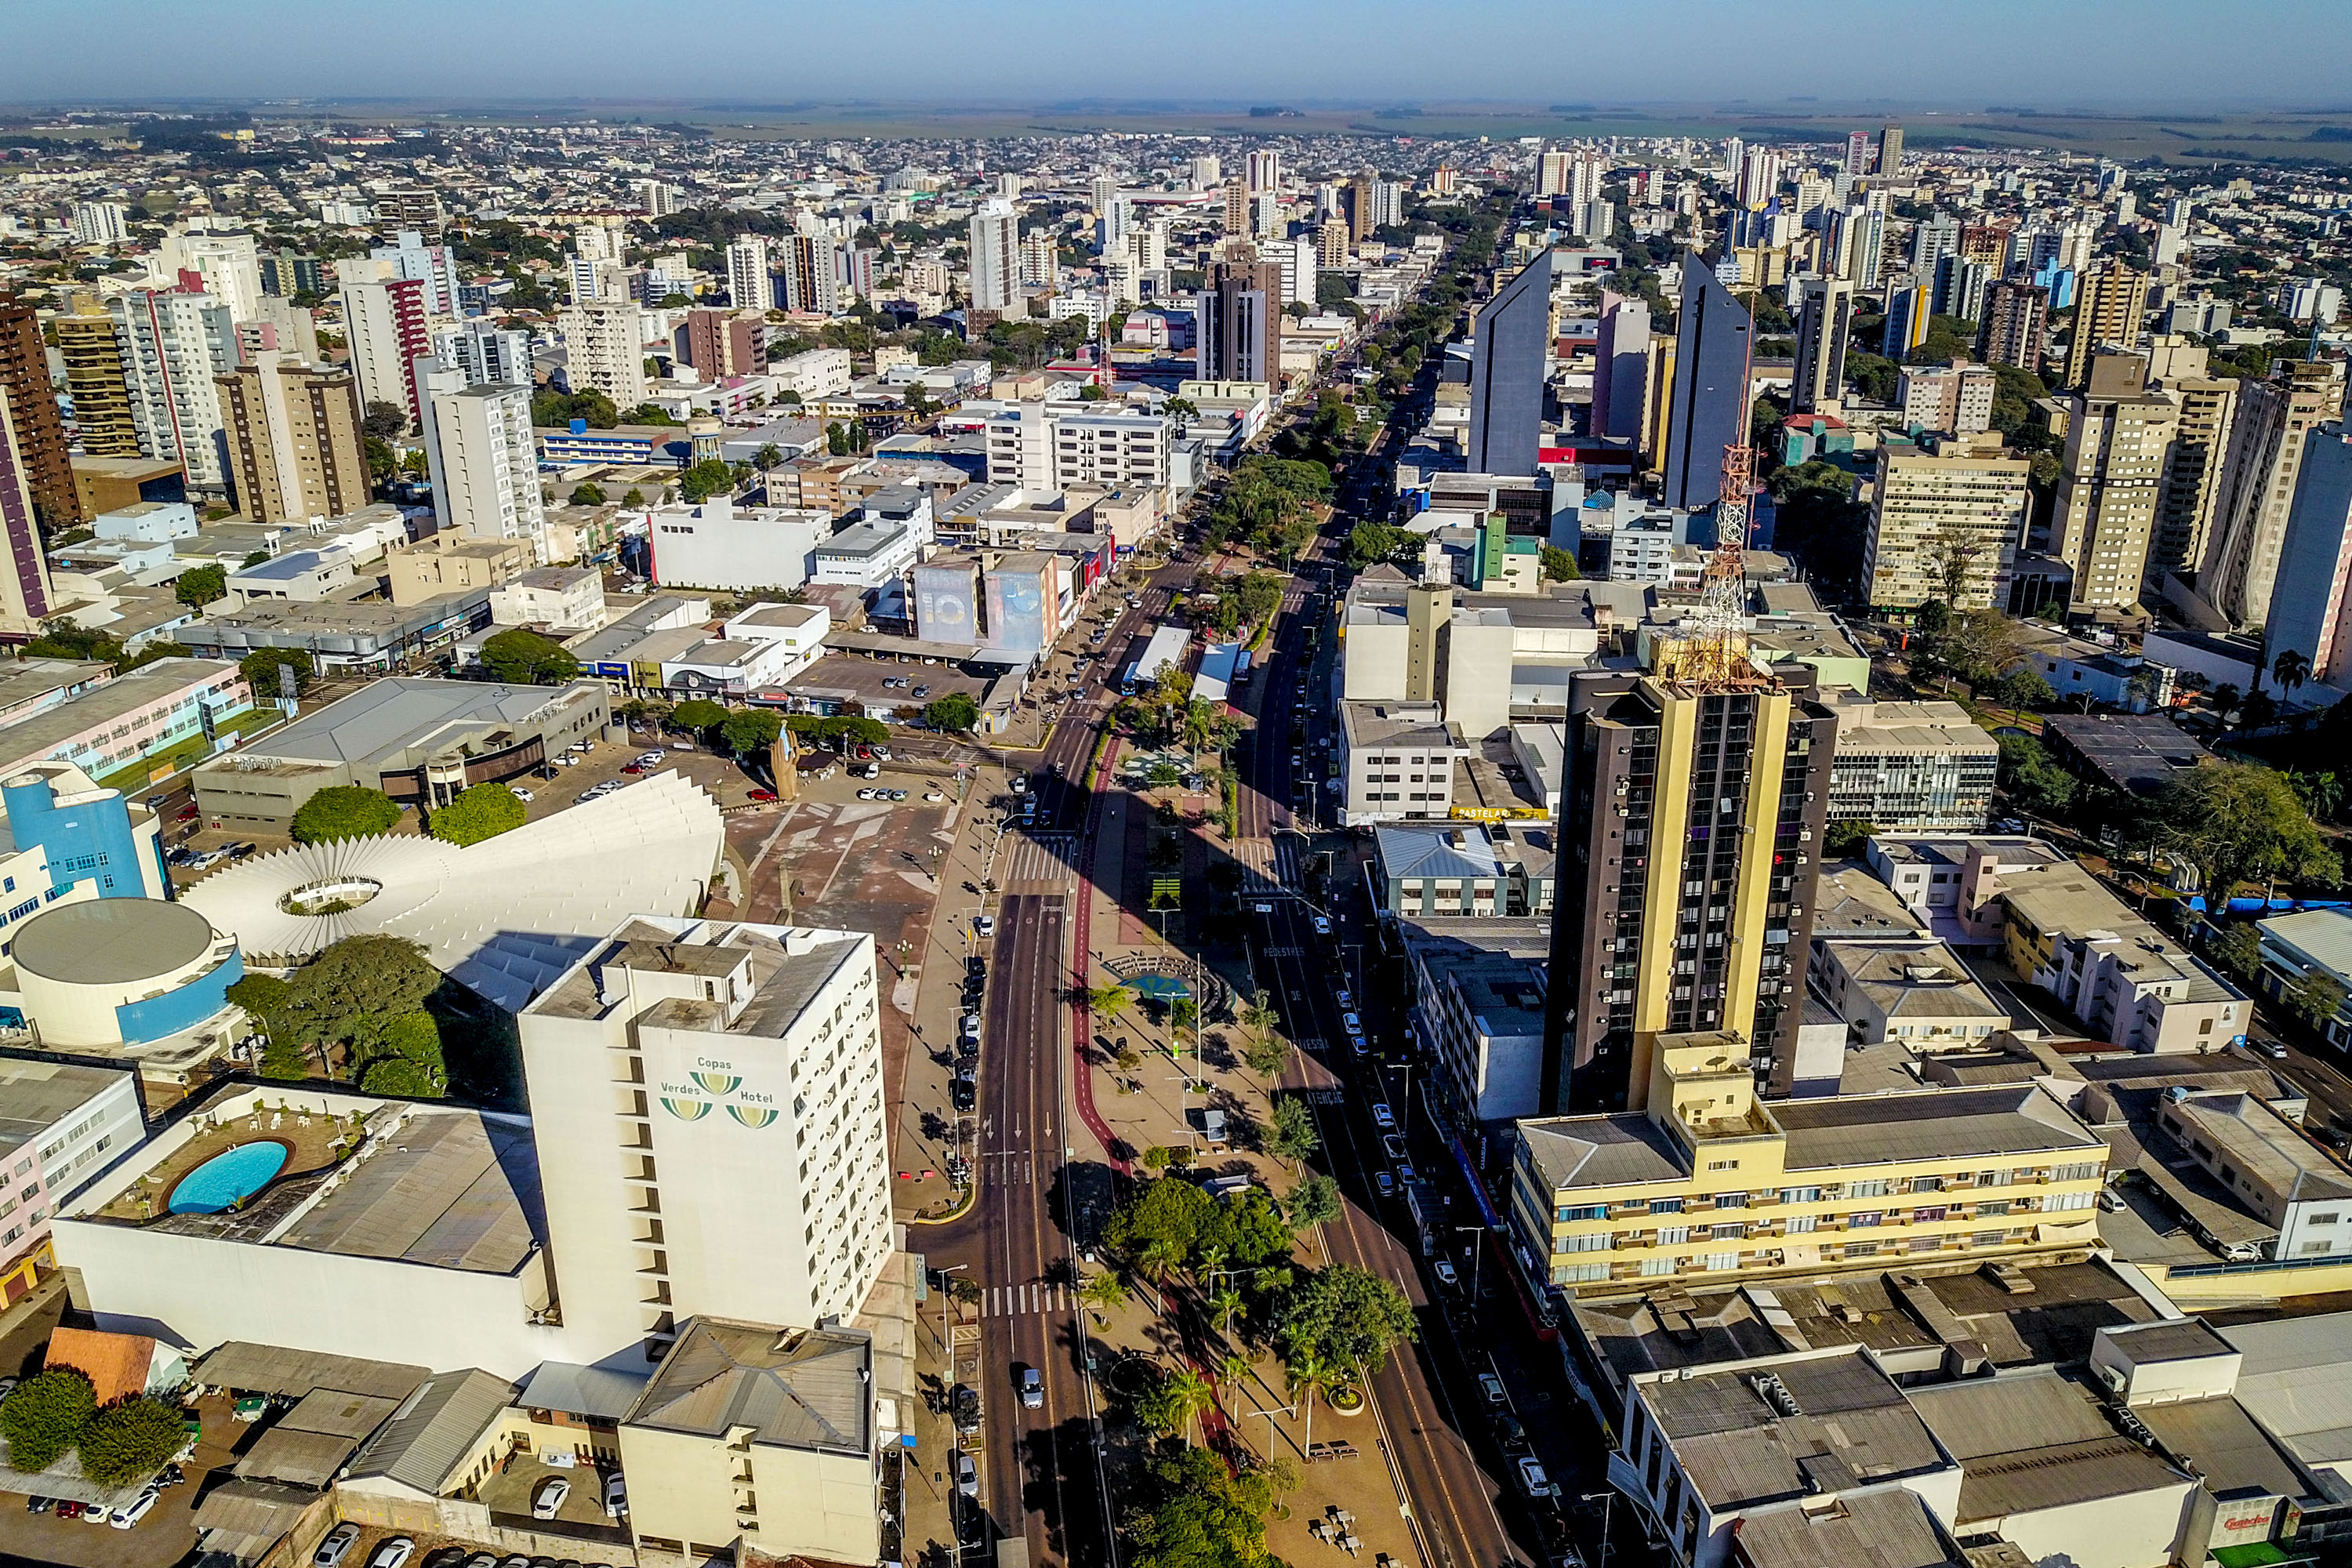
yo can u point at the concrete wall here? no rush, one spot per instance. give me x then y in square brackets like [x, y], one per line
[2134, 1530]
[681, 1487]
[463, 1520]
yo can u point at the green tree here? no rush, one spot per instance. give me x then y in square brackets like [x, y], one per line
[2237, 952]
[1165, 1212]
[2315, 1000]
[768, 457]
[355, 992]
[954, 714]
[1372, 541]
[261, 665]
[484, 811]
[1345, 1316]
[1108, 1002]
[266, 1000]
[2239, 823]
[44, 1417]
[747, 730]
[706, 479]
[521, 657]
[384, 420]
[699, 715]
[131, 1440]
[1558, 565]
[399, 1076]
[588, 493]
[344, 811]
[200, 585]
[1170, 1406]
[1293, 1135]
[2035, 782]
[1195, 1511]
[1105, 1293]
[1314, 1201]
[1844, 840]
[1265, 1054]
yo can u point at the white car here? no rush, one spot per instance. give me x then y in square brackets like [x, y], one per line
[549, 1496]
[132, 1512]
[393, 1552]
[617, 1494]
[1492, 1387]
[865, 795]
[983, 925]
[1322, 925]
[1382, 1117]
[336, 1547]
[1532, 1478]
[525, 797]
[1393, 1147]
[1446, 1274]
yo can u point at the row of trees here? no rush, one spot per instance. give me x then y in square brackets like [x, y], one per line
[55, 1412]
[1271, 502]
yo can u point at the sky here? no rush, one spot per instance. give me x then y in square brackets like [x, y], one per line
[2169, 55]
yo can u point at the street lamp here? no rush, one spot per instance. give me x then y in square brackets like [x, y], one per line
[1477, 1257]
[1606, 1499]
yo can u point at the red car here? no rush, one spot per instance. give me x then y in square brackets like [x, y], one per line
[761, 794]
[187, 812]
[632, 769]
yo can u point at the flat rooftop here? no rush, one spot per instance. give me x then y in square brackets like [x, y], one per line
[1931, 1124]
[165, 681]
[2036, 1440]
[787, 967]
[1819, 1423]
[35, 1096]
[2136, 752]
[394, 715]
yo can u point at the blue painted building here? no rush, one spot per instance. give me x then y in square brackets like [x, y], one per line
[82, 832]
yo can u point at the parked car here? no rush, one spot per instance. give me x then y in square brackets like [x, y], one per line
[1446, 1274]
[763, 796]
[1509, 1434]
[1020, 784]
[69, 1509]
[520, 793]
[1532, 1479]
[1491, 1387]
[895, 795]
[1382, 1117]
[393, 1552]
[1393, 1147]
[1350, 1023]
[549, 1496]
[39, 1504]
[1339, 994]
[967, 1475]
[331, 1551]
[1033, 1389]
[963, 1404]
[1384, 1184]
[617, 1494]
[1322, 925]
[867, 793]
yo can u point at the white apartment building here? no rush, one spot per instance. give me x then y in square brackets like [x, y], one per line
[230, 263]
[1956, 400]
[386, 332]
[1040, 263]
[996, 255]
[1052, 446]
[1296, 259]
[101, 223]
[606, 343]
[751, 285]
[173, 344]
[812, 373]
[1964, 506]
[60, 1124]
[485, 352]
[482, 458]
[431, 265]
[707, 1104]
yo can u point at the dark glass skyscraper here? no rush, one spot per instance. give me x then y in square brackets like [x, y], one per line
[1708, 407]
[1507, 371]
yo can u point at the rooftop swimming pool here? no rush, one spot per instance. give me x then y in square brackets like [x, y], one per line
[229, 1177]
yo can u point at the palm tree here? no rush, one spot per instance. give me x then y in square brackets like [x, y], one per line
[1259, 1017]
[1211, 1259]
[1223, 1305]
[1190, 1393]
[2290, 669]
[1232, 1370]
[1162, 1256]
[1309, 1375]
[1105, 1293]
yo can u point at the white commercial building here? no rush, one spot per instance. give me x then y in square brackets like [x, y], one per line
[173, 344]
[230, 263]
[1296, 259]
[719, 544]
[1052, 446]
[812, 374]
[606, 344]
[482, 458]
[711, 1139]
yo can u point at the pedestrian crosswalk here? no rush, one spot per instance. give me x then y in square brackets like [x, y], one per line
[1027, 861]
[1025, 1300]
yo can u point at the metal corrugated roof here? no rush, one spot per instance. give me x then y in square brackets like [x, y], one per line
[1884, 1527]
[797, 1388]
[434, 1428]
[250, 1368]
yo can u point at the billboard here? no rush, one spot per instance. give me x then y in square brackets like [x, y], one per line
[946, 607]
[1016, 610]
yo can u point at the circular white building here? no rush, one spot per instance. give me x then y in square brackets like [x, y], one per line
[122, 973]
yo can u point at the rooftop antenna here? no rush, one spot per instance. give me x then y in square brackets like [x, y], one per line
[1723, 596]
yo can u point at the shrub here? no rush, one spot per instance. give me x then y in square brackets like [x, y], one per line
[43, 1418]
[131, 1441]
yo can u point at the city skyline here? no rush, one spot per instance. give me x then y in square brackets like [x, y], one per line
[266, 48]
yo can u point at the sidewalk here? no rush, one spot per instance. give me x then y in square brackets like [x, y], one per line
[925, 1134]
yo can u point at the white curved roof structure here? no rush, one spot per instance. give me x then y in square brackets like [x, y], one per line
[506, 917]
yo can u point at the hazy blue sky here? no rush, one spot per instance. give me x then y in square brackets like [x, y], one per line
[2159, 53]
